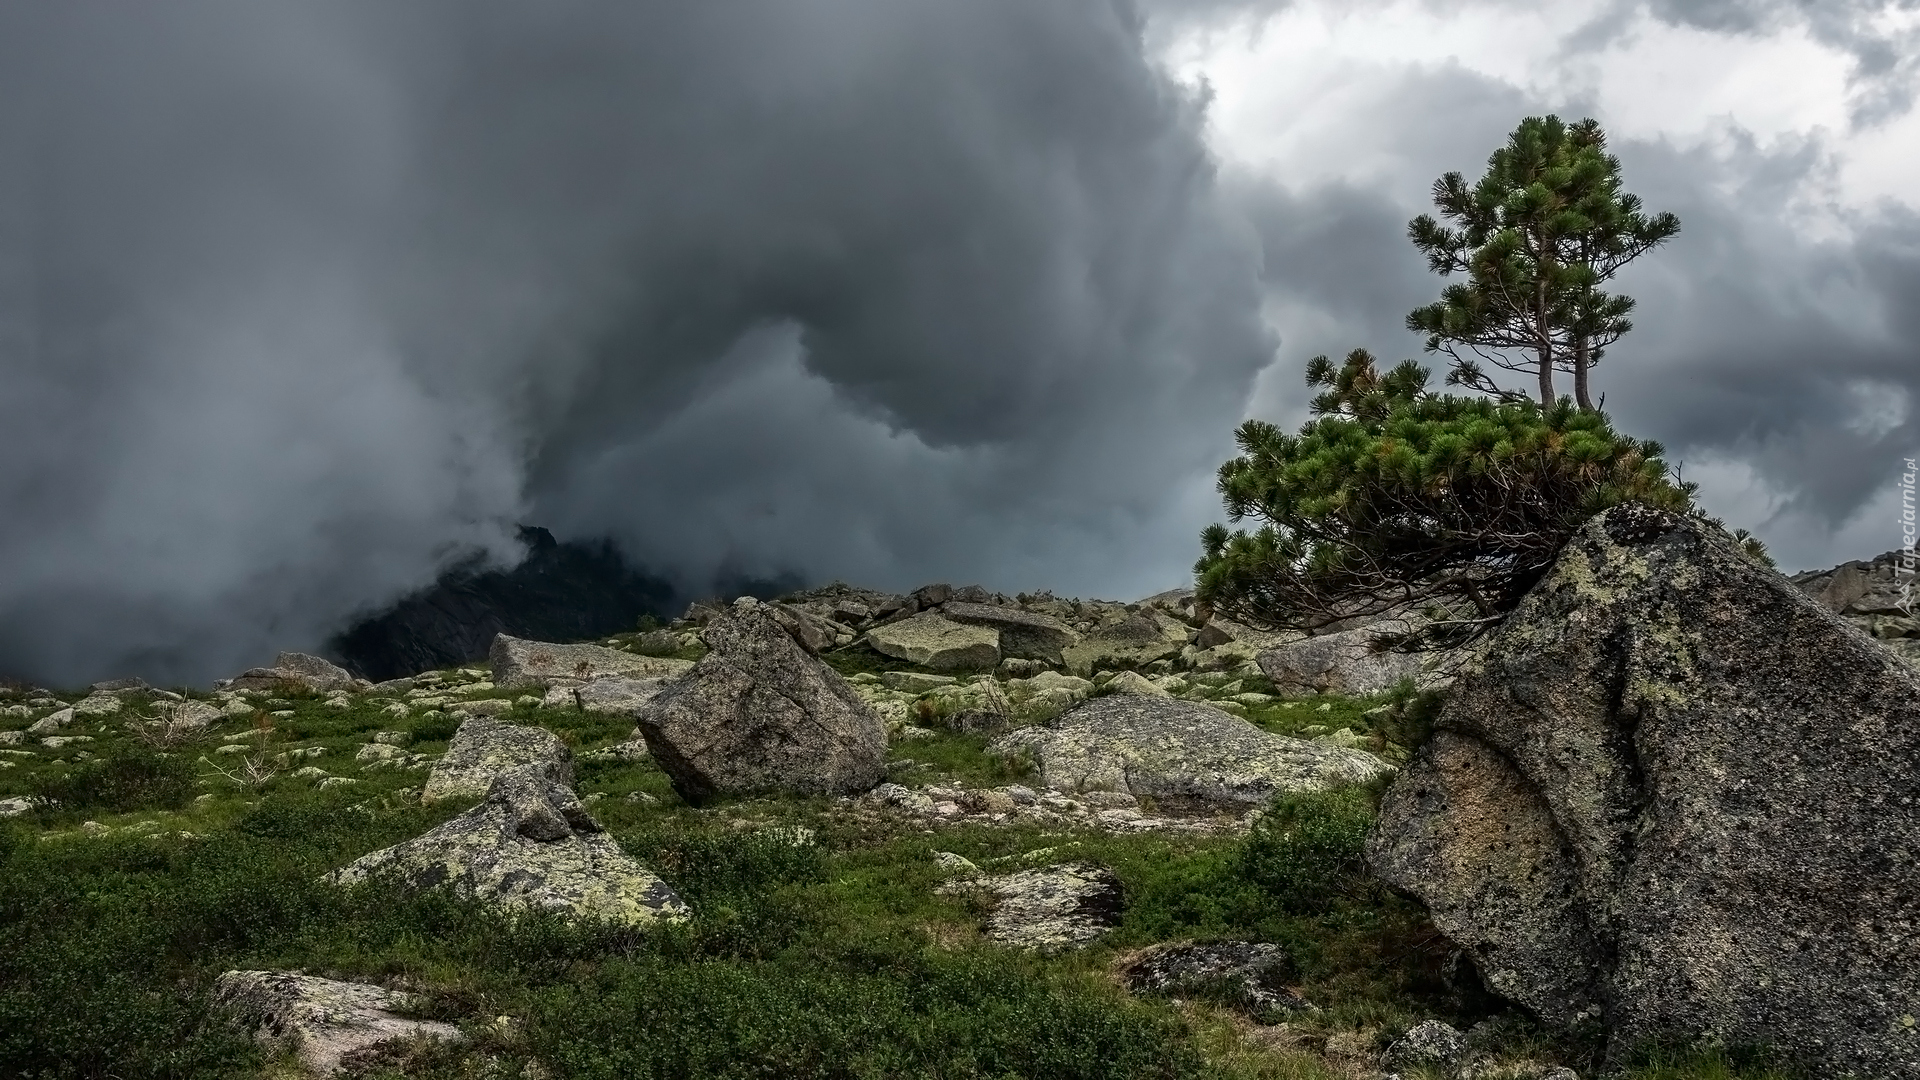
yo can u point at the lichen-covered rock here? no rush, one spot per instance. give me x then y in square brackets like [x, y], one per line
[1163, 746]
[98, 703]
[1677, 796]
[312, 673]
[1132, 682]
[1430, 1044]
[936, 642]
[518, 662]
[1054, 907]
[1343, 663]
[760, 713]
[483, 749]
[51, 722]
[1023, 634]
[1134, 641]
[616, 695]
[1249, 975]
[530, 844]
[322, 1020]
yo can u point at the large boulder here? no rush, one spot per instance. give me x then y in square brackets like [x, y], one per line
[1163, 746]
[1349, 662]
[531, 844]
[311, 673]
[1677, 796]
[936, 642]
[1136, 640]
[519, 662]
[759, 713]
[483, 749]
[1025, 635]
[323, 1021]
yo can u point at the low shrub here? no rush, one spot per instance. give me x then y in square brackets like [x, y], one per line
[1308, 851]
[129, 779]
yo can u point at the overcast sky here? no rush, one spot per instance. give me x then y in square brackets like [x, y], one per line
[298, 302]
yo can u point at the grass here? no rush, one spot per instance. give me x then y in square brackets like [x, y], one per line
[823, 954]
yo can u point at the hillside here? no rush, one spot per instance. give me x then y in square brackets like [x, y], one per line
[977, 913]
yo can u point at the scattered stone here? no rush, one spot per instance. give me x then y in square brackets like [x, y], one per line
[187, 717]
[98, 703]
[530, 844]
[760, 713]
[1055, 907]
[955, 864]
[1429, 1045]
[1023, 634]
[335, 781]
[12, 738]
[1014, 668]
[483, 750]
[17, 805]
[51, 722]
[55, 742]
[114, 686]
[378, 752]
[322, 1020]
[482, 707]
[914, 682]
[1134, 641]
[1250, 976]
[902, 798]
[1132, 682]
[1667, 800]
[814, 633]
[1163, 746]
[1344, 663]
[308, 772]
[518, 662]
[933, 641]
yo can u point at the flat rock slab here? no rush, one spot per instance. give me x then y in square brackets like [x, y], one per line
[1250, 975]
[519, 662]
[1135, 641]
[1676, 797]
[1055, 907]
[483, 749]
[1025, 635]
[934, 641]
[531, 844]
[1342, 663]
[1163, 746]
[614, 696]
[321, 1019]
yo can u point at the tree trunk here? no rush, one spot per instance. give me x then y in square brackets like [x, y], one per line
[1542, 334]
[1582, 359]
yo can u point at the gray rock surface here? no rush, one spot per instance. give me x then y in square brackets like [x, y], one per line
[936, 642]
[1162, 746]
[1135, 640]
[759, 713]
[51, 722]
[530, 844]
[1342, 663]
[322, 1020]
[483, 749]
[1054, 907]
[311, 673]
[1678, 796]
[518, 662]
[1024, 635]
[1879, 595]
[618, 696]
[1430, 1044]
[1250, 975]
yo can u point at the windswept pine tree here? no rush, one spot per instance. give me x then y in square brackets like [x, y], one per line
[1535, 238]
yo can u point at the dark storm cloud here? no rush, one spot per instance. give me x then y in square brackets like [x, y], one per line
[299, 302]
[1776, 355]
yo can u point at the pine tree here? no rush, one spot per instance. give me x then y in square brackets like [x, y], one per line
[1535, 238]
[1393, 498]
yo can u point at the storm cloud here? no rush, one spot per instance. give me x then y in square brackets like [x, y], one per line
[302, 301]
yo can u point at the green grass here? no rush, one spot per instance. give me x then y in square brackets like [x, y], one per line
[833, 956]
